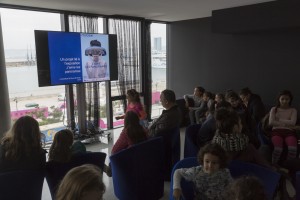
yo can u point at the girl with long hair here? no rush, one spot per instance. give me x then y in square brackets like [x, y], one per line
[21, 147]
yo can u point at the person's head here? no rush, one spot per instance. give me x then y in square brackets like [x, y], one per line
[219, 97]
[284, 99]
[212, 157]
[82, 183]
[60, 149]
[135, 131]
[245, 95]
[228, 121]
[246, 188]
[23, 138]
[167, 98]
[198, 91]
[233, 98]
[133, 96]
[207, 96]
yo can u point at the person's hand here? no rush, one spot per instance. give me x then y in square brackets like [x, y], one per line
[177, 194]
[117, 117]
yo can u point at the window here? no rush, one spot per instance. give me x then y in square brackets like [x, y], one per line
[159, 64]
[46, 104]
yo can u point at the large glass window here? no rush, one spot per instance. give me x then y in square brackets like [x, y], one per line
[159, 63]
[46, 104]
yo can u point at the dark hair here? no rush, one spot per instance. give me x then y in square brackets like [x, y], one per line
[246, 188]
[135, 131]
[95, 43]
[286, 93]
[245, 91]
[134, 94]
[60, 149]
[169, 95]
[200, 89]
[216, 150]
[226, 119]
[231, 94]
[23, 138]
[208, 94]
[221, 96]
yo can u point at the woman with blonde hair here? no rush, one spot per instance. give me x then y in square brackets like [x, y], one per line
[21, 147]
[82, 183]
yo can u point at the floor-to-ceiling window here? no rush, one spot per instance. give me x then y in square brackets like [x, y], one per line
[46, 104]
[158, 60]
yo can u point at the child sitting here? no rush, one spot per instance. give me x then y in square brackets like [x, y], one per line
[210, 178]
[246, 188]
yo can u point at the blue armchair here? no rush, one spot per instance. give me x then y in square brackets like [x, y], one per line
[22, 184]
[137, 172]
[56, 171]
[187, 187]
[171, 141]
[190, 143]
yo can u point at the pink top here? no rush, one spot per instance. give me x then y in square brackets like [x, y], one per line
[123, 142]
[138, 109]
[282, 118]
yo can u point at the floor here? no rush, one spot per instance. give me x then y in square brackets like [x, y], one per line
[105, 146]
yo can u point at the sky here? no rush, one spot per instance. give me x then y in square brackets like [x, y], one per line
[18, 27]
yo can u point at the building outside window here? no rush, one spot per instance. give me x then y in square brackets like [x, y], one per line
[159, 65]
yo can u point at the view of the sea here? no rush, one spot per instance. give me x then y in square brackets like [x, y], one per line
[23, 81]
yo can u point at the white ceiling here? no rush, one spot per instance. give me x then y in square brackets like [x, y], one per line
[161, 10]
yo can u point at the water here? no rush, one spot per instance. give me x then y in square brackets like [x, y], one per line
[23, 81]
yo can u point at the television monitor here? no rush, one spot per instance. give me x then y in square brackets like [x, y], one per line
[71, 58]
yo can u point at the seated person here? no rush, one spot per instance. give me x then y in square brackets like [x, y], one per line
[208, 128]
[133, 133]
[170, 117]
[63, 148]
[210, 178]
[230, 136]
[21, 147]
[134, 104]
[194, 102]
[83, 182]
[246, 188]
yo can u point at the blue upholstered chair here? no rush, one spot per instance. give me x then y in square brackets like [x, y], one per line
[56, 171]
[298, 185]
[22, 184]
[137, 172]
[187, 187]
[269, 178]
[190, 143]
[171, 141]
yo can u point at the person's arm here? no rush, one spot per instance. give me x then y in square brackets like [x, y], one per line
[292, 120]
[272, 119]
[186, 173]
[176, 184]
[122, 143]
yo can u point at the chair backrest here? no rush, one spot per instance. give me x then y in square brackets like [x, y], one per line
[190, 143]
[171, 141]
[187, 187]
[56, 171]
[298, 185]
[22, 184]
[269, 179]
[137, 172]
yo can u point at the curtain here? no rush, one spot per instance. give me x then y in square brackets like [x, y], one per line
[128, 35]
[88, 25]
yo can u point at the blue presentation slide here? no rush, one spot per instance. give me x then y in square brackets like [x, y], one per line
[65, 58]
[78, 57]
